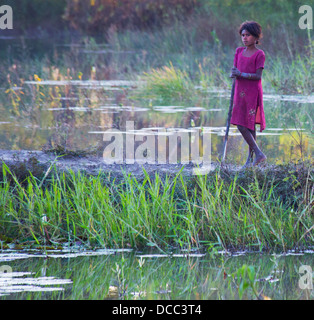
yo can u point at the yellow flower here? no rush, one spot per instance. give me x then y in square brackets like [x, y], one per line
[36, 77]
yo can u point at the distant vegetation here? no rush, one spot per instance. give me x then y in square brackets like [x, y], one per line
[194, 38]
[206, 19]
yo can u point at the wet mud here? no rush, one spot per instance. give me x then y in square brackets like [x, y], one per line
[39, 163]
[20, 162]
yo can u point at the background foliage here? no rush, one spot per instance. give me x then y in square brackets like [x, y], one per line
[206, 18]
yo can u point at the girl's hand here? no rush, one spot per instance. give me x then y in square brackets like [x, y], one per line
[234, 72]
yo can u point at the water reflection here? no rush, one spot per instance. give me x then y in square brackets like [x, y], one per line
[18, 282]
[140, 275]
[78, 122]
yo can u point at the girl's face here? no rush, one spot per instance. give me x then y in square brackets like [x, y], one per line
[247, 39]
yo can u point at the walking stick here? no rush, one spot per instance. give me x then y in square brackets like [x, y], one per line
[228, 120]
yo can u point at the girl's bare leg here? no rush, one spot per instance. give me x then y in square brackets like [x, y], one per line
[249, 159]
[250, 137]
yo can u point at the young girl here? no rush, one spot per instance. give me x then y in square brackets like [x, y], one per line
[248, 95]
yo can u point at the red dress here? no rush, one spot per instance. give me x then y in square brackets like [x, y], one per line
[248, 108]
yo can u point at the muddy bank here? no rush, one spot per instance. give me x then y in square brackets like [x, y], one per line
[21, 162]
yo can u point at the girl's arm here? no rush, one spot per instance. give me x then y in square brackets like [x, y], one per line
[250, 76]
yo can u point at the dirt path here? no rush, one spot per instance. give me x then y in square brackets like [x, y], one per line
[21, 162]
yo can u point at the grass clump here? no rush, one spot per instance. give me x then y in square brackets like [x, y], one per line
[168, 83]
[256, 211]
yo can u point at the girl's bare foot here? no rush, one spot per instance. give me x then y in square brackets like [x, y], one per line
[259, 159]
[249, 137]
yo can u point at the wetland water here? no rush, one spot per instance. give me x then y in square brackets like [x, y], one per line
[126, 274]
[79, 124]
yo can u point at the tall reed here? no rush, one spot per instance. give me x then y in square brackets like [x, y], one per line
[158, 211]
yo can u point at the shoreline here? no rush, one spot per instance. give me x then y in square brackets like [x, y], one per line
[46, 203]
[21, 162]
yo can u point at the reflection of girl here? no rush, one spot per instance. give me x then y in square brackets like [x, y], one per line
[248, 97]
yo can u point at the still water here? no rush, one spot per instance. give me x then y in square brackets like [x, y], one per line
[130, 275]
[78, 121]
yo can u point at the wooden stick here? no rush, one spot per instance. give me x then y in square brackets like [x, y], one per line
[228, 121]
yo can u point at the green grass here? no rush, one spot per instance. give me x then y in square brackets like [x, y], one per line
[289, 76]
[168, 82]
[260, 210]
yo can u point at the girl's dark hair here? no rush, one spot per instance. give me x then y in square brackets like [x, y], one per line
[253, 28]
